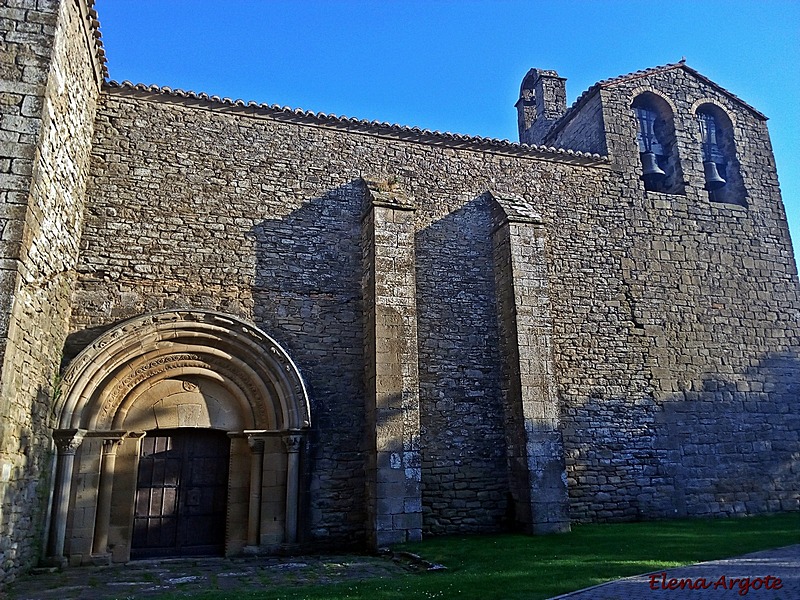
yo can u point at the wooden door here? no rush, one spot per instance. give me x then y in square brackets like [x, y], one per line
[181, 494]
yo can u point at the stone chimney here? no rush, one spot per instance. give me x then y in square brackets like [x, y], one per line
[542, 102]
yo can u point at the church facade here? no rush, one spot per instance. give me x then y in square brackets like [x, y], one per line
[230, 327]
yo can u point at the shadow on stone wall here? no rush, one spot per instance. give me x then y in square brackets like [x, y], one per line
[25, 496]
[462, 419]
[78, 340]
[306, 289]
[733, 446]
[729, 448]
[307, 295]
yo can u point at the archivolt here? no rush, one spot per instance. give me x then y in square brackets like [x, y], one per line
[101, 383]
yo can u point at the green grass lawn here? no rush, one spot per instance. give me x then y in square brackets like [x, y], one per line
[530, 567]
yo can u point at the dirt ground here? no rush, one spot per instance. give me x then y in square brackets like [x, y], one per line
[145, 579]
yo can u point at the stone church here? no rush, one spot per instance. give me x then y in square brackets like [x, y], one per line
[231, 327]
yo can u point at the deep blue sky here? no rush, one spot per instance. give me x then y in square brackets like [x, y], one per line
[456, 65]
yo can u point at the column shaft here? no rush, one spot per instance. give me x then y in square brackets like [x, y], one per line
[254, 509]
[67, 442]
[293, 444]
[103, 516]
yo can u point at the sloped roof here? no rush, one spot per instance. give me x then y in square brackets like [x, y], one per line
[383, 129]
[614, 81]
[607, 83]
[89, 13]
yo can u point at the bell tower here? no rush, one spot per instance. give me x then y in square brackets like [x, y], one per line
[542, 102]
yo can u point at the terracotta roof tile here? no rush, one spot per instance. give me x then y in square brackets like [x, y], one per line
[608, 83]
[679, 65]
[285, 113]
[94, 26]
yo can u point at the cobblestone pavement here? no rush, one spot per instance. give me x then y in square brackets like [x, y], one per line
[146, 579]
[745, 576]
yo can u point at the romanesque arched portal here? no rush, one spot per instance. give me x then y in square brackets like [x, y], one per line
[190, 380]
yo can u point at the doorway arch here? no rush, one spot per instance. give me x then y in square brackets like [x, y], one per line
[187, 371]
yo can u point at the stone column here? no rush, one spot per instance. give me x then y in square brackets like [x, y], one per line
[67, 442]
[394, 471]
[237, 521]
[293, 444]
[256, 471]
[533, 436]
[103, 515]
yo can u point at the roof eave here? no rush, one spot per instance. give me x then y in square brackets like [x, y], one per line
[382, 129]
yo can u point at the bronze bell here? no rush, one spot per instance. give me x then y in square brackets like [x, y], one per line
[651, 172]
[713, 180]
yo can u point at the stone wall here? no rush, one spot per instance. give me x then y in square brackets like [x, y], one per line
[234, 210]
[533, 433]
[48, 89]
[462, 364]
[582, 128]
[460, 371]
[674, 319]
[392, 433]
[706, 425]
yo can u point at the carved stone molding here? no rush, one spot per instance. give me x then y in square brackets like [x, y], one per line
[68, 440]
[256, 444]
[111, 445]
[292, 442]
[178, 362]
[98, 381]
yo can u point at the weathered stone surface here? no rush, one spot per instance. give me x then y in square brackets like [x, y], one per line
[489, 334]
[535, 450]
[706, 293]
[393, 469]
[48, 90]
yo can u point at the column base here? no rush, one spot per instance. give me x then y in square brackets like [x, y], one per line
[292, 549]
[253, 550]
[100, 560]
[57, 562]
[550, 528]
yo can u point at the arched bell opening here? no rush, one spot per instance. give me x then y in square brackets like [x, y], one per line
[174, 390]
[655, 135]
[721, 173]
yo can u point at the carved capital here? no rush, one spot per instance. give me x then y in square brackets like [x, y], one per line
[111, 444]
[292, 443]
[256, 444]
[68, 440]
